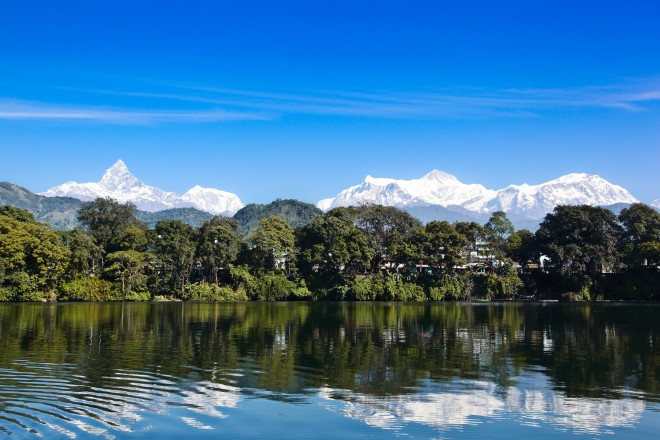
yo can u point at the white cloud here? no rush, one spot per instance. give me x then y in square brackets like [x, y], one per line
[30, 110]
[211, 104]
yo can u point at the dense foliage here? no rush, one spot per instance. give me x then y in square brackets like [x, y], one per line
[370, 252]
[295, 212]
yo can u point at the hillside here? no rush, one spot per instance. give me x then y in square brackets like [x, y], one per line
[59, 212]
[295, 212]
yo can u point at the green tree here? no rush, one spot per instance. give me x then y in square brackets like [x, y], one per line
[32, 259]
[133, 238]
[473, 233]
[218, 245]
[410, 251]
[17, 213]
[382, 226]
[521, 247]
[640, 240]
[579, 239]
[274, 243]
[84, 254]
[331, 245]
[174, 247]
[445, 245]
[130, 267]
[497, 232]
[106, 220]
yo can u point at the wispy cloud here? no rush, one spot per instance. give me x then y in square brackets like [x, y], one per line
[192, 103]
[432, 104]
[31, 110]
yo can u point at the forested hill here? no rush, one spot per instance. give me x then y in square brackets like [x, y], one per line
[295, 212]
[61, 212]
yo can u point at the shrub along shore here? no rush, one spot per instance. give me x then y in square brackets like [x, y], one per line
[367, 253]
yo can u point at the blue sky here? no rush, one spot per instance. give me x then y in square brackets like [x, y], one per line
[302, 99]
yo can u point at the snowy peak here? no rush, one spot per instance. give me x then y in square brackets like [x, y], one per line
[441, 177]
[656, 203]
[213, 200]
[118, 178]
[535, 201]
[438, 188]
[434, 188]
[118, 182]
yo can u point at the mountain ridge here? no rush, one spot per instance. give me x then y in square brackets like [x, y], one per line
[120, 184]
[441, 189]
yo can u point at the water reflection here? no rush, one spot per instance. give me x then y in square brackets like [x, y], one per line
[112, 369]
[533, 403]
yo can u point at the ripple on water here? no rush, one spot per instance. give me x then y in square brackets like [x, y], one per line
[46, 400]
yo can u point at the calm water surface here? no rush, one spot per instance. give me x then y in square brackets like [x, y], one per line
[329, 370]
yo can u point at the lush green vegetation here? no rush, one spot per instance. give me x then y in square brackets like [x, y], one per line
[370, 252]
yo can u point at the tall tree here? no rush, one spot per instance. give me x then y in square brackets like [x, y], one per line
[445, 245]
[174, 247]
[332, 245]
[85, 255]
[32, 259]
[383, 225]
[218, 245]
[130, 267]
[521, 247]
[274, 243]
[497, 231]
[473, 233]
[579, 239]
[106, 220]
[640, 242]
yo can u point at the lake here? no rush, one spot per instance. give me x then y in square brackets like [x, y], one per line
[329, 370]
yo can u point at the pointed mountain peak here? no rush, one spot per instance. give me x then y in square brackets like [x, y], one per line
[118, 166]
[117, 177]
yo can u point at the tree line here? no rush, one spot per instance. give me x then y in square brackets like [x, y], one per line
[369, 252]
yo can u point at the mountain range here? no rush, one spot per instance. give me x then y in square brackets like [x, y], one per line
[435, 196]
[118, 182]
[441, 195]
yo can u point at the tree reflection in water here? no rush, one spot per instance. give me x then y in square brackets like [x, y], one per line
[586, 367]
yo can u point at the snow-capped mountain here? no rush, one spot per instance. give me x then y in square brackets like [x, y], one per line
[212, 200]
[438, 188]
[121, 185]
[656, 203]
[434, 188]
[535, 201]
